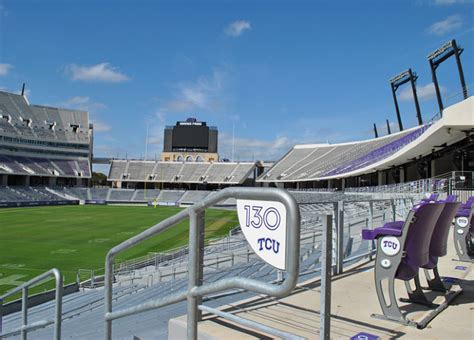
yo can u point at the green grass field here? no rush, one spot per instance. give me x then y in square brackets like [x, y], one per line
[33, 240]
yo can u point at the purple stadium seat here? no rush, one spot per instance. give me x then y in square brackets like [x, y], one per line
[451, 198]
[417, 244]
[405, 247]
[439, 244]
[432, 197]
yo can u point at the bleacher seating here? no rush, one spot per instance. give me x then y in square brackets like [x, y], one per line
[121, 194]
[194, 196]
[80, 193]
[318, 161]
[170, 196]
[59, 139]
[180, 172]
[35, 166]
[98, 193]
[26, 194]
[147, 195]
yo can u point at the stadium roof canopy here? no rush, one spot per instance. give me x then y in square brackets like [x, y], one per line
[314, 162]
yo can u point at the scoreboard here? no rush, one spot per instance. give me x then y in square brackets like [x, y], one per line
[190, 135]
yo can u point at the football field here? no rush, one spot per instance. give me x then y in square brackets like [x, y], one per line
[33, 240]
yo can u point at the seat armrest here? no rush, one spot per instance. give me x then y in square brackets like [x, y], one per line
[463, 213]
[388, 229]
[395, 224]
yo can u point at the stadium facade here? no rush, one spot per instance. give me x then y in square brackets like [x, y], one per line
[42, 145]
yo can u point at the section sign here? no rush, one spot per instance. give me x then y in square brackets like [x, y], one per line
[264, 226]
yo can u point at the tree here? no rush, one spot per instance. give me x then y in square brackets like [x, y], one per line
[98, 179]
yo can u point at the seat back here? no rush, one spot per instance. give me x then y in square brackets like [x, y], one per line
[417, 244]
[468, 203]
[451, 198]
[439, 239]
[432, 197]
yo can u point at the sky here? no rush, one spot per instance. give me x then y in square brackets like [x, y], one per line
[268, 74]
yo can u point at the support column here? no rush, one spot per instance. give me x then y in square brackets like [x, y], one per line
[413, 79]
[402, 175]
[438, 92]
[397, 109]
[51, 181]
[432, 168]
[4, 180]
[27, 181]
[461, 73]
[380, 178]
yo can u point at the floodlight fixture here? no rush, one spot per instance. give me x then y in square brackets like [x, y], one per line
[395, 83]
[441, 54]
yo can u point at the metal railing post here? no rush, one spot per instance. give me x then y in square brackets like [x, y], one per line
[196, 242]
[1, 315]
[371, 223]
[394, 210]
[326, 265]
[59, 305]
[339, 213]
[24, 312]
[23, 330]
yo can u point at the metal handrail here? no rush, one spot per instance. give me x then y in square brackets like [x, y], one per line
[195, 291]
[152, 257]
[24, 306]
[250, 323]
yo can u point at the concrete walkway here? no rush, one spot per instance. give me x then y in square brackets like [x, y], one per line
[353, 302]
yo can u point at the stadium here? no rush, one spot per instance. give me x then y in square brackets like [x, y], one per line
[194, 245]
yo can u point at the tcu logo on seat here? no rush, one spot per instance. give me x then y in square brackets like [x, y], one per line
[390, 245]
[264, 225]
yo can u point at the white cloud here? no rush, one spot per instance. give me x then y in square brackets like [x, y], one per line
[449, 2]
[448, 25]
[424, 92]
[253, 148]
[204, 94]
[102, 72]
[4, 69]
[156, 126]
[110, 151]
[82, 103]
[100, 126]
[238, 27]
